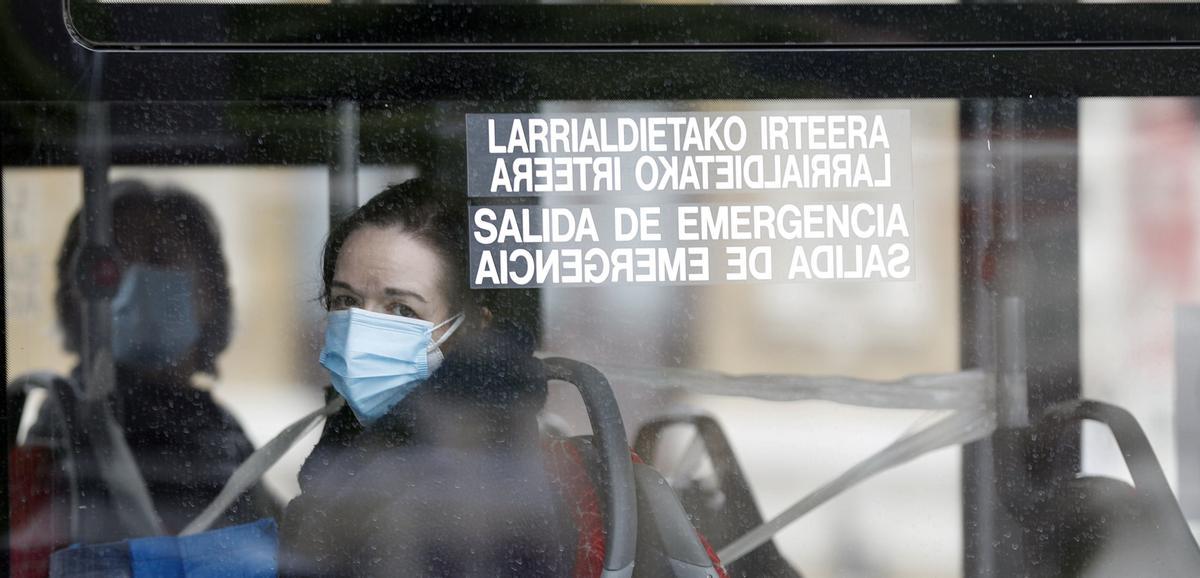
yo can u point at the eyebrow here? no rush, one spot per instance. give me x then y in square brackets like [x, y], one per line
[393, 292]
[342, 285]
[389, 291]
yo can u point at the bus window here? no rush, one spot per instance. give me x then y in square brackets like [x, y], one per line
[1137, 291]
[824, 301]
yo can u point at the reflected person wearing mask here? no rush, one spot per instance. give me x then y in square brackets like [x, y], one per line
[433, 468]
[171, 319]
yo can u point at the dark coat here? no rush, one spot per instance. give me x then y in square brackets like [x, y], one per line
[184, 443]
[451, 482]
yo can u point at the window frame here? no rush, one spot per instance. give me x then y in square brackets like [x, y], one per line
[526, 26]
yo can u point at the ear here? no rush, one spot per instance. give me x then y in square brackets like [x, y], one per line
[485, 317]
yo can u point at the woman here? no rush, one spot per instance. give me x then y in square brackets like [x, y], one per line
[434, 467]
[171, 320]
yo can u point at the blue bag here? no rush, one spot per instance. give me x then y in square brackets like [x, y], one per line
[245, 551]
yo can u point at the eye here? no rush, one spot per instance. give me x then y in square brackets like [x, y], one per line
[402, 310]
[340, 302]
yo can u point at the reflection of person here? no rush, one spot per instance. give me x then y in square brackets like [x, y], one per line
[434, 467]
[171, 319]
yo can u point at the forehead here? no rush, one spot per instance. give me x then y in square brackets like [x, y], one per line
[374, 258]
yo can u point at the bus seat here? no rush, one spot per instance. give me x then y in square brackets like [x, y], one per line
[608, 475]
[1098, 526]
[37, 526]
[553, 425]
[668, 544]
[724, 509]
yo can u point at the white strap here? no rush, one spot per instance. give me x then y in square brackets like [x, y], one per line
[960, 427]
[934, 391]
[120, 472]
[248, 474]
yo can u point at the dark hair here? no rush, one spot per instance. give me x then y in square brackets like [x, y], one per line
[154, 223]
[426, 211]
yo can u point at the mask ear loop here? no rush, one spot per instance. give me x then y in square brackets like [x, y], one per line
[457, 319]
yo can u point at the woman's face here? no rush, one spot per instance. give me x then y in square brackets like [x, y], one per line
[387, 270]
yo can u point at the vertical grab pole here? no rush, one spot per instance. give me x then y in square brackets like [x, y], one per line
[1020, 314]
[97, 276]
[984, 522]
[343, 170]
[96, 270]
[1012, 395]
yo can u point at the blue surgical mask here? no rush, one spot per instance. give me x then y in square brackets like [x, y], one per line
[154, 317]
[375, 360]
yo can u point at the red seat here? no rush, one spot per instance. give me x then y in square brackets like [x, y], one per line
[568, 467]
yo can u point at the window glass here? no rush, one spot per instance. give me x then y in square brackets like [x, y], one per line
[579, 289]
[1002, 200]
[273, 222]
[1137, 218]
